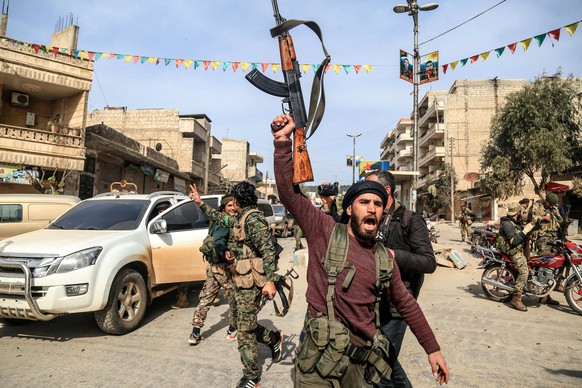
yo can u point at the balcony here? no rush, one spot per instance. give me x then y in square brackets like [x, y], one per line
[435, 131]
[404, 154]
[33, 147]
[432, 154]
[255, 174]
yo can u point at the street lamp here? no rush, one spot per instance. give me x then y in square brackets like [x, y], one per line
[354, 156]
[412, 8]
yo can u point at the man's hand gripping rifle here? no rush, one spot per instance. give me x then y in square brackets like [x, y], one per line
[283, 282]
[290, 91]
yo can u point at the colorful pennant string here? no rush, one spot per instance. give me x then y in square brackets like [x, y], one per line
[554, 34]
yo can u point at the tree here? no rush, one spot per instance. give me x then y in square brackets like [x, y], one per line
[438, 193]
[536, 133]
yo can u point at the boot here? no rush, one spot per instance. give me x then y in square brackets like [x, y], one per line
[549, 301]
[517, 303]
[182, 300]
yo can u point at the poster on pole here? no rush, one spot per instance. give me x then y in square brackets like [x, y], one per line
[368, 166]
[429, 67]
[406, 61]
[349, 160]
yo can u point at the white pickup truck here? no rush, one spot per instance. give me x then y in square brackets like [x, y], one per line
[110, 255]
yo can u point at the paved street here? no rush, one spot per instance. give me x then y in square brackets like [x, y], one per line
[486, 344]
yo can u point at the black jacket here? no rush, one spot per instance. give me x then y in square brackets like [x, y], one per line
[413, 249]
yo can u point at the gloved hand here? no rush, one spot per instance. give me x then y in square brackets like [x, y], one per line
[528, 228]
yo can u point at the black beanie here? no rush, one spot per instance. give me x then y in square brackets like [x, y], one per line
[360, 188]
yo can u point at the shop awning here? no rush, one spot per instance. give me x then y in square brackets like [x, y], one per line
[559, 186]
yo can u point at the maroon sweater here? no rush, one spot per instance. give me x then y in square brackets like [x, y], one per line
[354, 307]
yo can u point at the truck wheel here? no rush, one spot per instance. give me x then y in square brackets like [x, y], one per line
[126, 306]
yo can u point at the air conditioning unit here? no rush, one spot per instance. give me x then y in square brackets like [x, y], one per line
[20, 99]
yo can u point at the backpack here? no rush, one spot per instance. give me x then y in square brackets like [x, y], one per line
[208, 249]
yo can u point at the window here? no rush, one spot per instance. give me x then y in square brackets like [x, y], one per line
[186, 216]
[10, 213]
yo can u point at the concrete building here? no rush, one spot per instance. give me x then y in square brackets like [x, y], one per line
[186, 139]
[239, 163]
[43, 100]
[453, 127]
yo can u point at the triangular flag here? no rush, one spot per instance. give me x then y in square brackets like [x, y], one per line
[474, 58]
[326, 68]
[445, 67]
[167, 61]
[97, 55]
[255, 65]
[555, 34]
[136, 59]
[152, 59]
[357, 68]
[525, 44]
[225, 65]
[111, 56]
[245, 65]
[453, 65]
[235, 66]
[179, 62]
[275, 67]
[499, 51]
[305, 67]
[315, 67]
[540, 39]
[197, 64]
[91, 55]
[463, 62]
[82, 54]
[484, 55]
[55, 51]
[76, 53]
[143, 60]
[215, 64]
[368, 68]
[128, 58]
[264, 66]
[572, 28]
[347, 69]
[336, 68]
[512, 47]
[36, 47]
[187, 63]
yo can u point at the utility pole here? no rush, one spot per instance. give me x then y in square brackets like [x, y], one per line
[451, 146]
[354, 156]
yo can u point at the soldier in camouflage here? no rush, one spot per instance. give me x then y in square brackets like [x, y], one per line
[524, 209]
[255, 243]
[217, 276]
[545, 213]
[465, 220]
[510, 240]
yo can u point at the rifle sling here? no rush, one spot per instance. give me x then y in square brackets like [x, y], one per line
[317, 99]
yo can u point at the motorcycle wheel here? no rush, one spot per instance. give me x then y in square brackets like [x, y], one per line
[573, 293]
[502, 275]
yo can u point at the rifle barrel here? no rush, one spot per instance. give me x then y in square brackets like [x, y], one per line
[278, 18]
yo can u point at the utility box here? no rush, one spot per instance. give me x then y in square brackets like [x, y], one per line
[30, 119]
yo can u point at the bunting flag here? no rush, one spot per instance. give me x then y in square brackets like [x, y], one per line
[525, 43]
[178, 62]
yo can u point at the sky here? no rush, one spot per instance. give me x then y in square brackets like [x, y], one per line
[364, 32]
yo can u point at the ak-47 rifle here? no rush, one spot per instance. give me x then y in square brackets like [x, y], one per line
[290, 91]
[283, 282]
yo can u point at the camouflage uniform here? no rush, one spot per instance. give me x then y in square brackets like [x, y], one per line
[550, 230]
[510, 241]
[465, 220]
[244, 303]
[297, 233]
[217, 275]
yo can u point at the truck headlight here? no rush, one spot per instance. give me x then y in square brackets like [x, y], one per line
[67, 263]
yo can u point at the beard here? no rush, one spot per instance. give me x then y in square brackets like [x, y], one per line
[365, 236]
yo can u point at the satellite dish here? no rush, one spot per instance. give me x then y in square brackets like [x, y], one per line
[472, 177]
[158, 147]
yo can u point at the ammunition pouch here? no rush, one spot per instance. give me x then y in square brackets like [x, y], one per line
[249, 273]
[327, 349]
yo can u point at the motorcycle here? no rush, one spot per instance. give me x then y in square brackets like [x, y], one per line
[482, 237]
[498, 278]
[433, 232]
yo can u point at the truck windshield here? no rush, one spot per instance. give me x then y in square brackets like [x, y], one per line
[118, 214]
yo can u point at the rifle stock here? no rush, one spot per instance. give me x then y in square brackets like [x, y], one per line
[302, 171]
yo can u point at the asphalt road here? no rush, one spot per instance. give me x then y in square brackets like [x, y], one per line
[486, 344]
